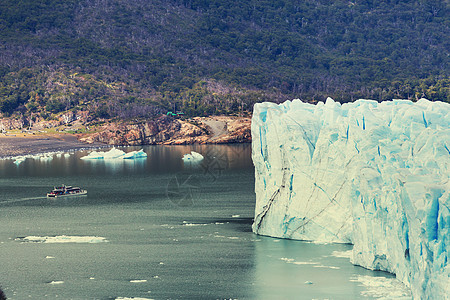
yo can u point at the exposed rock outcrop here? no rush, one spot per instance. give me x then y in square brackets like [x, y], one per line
[171, 131]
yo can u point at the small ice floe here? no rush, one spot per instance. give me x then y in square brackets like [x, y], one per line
[132, 298]
[62, 239]
[192, 157]
[46, 157]
[292, 261]
[115, 153]
[383, 287]
[343, 254]
[138, 280]
[194, 224]
[304, 263]
[56, 282]
[327, 267]
[135, 154]
[19, 159]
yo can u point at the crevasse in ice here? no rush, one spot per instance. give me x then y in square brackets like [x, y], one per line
[368, 173]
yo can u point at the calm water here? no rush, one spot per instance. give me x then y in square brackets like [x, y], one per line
[172, 231]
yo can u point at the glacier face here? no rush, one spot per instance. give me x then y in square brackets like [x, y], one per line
[368, 173]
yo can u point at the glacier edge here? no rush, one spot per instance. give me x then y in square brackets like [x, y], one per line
[372, 174]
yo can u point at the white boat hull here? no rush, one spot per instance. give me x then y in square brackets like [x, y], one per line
[82, 193]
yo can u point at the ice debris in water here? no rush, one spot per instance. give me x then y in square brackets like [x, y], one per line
[383, 288]
[115, 153]
[62, 239]
[44, 157]
[368, 173]
[343, 254]
[192, 157]
[132, 298]
[135, 154]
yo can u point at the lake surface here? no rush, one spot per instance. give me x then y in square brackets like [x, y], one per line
[170, 231]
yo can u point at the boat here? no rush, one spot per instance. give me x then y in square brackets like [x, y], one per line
[66, 190]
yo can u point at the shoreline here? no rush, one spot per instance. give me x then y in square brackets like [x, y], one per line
[19, 144]
[14, 145]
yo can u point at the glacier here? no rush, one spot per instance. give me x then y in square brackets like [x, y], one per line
[372, 174]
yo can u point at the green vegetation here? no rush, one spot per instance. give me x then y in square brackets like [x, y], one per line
[140, 58]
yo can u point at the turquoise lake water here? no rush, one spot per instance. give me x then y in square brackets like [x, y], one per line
[171, 231]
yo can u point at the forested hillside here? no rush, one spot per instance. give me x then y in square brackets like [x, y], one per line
[138, 58]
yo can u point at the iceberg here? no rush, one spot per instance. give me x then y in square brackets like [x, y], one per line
[192, 157]
[19, 159]
[115, 153]
[372, 174]
[135, 154]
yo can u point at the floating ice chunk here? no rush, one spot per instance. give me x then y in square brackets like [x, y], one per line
[383, 288]
[46, 157]
[194, 224]
[304, 263]
[94, 155]
[115, 154]
[135, 154]
[193, 157]
[327, 267]
[62, 239]
[343, 254]
[292, 261]
[19, 159]
[133, 298]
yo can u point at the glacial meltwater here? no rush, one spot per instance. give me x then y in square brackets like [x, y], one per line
[159, 228]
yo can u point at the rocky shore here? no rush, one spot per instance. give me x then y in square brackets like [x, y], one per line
[15, 145]
[62, 135]
[170, 131]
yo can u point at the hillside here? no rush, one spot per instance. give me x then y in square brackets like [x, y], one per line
[140, 58]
